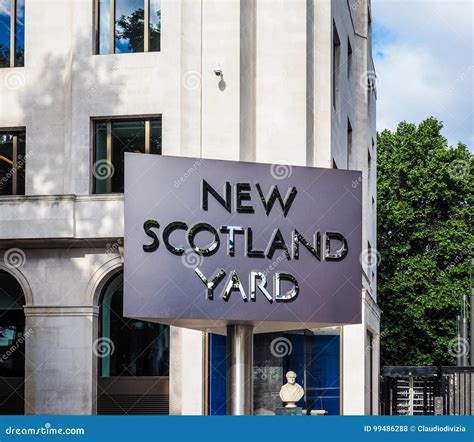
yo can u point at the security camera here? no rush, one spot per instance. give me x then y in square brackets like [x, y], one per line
[218, 69]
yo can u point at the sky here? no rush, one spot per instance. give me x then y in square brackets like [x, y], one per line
[424, 58]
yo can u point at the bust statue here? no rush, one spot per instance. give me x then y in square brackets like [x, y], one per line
[291, 392]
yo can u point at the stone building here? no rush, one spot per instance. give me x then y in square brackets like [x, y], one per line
[82, 82]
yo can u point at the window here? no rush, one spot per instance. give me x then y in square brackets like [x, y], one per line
[141, 348]
[369, 376]
[349, 144]
[12, 162]
[112, 138]
[349, 59]
[12, 33]
[336, 56]
[125, 26]
[314, 355]
[12, 345]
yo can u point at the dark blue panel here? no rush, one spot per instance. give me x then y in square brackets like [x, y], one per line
[323, 373]
[217, 374]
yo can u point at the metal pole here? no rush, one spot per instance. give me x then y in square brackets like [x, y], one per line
[239, 370]
[464, 335]
[458, 352]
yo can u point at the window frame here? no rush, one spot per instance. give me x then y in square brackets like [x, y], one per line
[108, 121]
[15, 131]
[112, 9]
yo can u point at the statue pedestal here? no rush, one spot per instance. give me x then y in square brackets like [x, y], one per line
[284, 411]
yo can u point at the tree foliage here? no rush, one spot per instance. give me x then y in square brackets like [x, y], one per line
[424, 203]
[131, 28]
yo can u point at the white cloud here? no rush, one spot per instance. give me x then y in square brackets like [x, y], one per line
[423, 54]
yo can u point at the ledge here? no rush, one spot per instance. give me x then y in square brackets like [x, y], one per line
[61, 310]
[61, 217]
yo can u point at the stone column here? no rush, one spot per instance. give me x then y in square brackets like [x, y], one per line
[61, 368]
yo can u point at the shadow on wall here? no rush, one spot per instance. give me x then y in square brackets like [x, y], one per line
[58, 94]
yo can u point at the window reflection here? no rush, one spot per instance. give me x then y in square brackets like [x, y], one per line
[12, 17]
[155, 25]
[112, 140]
[129, 26]
[20, 33]
[127, 136]
[12, 163]
[129, 31]
[4, 33]
[141, 348]
[104, 27]
[155, 137]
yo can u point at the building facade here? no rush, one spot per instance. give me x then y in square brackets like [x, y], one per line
[82, 82]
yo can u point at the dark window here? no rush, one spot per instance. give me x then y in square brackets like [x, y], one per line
[336, 60]
[369, 370]
[369, 167]
[125, 26]
[349, 144]
[132, 347]
[349, 59]
[112, 139]
[12, 33]
[12, 162]
[12, 327]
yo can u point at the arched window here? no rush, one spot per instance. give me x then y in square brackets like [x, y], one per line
[12, 345]
[140, 348]
[133, 359]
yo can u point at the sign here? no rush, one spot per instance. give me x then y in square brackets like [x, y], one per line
[210, 243]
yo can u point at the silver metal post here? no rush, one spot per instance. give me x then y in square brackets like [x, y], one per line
[464, 335]
[465, 351]
[459, 336]
[239, 370]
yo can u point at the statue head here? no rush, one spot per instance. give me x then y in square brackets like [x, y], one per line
[291, 377]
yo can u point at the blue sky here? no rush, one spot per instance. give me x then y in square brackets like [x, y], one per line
[424, 57]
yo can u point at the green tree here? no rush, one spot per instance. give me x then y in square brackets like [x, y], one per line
[131, 28]
[424, 203]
